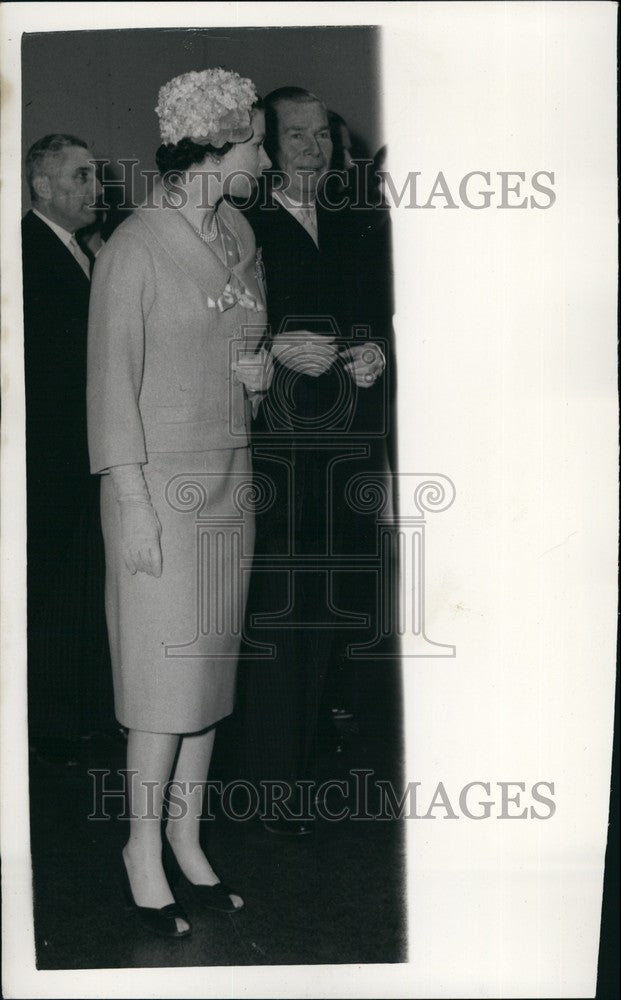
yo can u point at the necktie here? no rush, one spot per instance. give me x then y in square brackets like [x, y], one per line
[80, 256]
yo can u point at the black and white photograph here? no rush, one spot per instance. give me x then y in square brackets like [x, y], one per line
[309, 499]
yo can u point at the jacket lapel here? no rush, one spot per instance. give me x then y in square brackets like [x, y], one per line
[246, 270]
[176, 237]
[295, 230]
[59, 257]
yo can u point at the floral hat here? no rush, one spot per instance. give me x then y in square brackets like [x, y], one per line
[213, 106]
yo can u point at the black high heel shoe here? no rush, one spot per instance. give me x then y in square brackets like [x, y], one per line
[162, 921]
[213, 897]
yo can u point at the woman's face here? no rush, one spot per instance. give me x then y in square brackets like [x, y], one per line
[245, 162]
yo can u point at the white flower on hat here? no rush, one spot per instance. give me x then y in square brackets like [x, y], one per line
[212, 106]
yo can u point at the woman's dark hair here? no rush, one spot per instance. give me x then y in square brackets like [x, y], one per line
[183, 154]
[180, 156]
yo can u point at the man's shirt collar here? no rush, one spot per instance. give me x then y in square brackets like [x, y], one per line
[62, 234]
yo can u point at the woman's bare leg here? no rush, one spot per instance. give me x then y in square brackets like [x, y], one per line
[151, 757]
[191, 773]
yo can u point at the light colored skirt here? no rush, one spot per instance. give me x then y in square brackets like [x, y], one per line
[174, 640]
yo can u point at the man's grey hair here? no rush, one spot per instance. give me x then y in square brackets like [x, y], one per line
[39, 154]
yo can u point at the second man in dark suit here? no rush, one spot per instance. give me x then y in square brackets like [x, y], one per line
[68, 674]
[305, 445]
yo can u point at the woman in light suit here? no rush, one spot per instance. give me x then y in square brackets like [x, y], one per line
[176, 316]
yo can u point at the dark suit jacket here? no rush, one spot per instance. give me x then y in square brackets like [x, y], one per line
[308, 287]
[305, 280]
[69, 686]
[56, 296]
[337, 287]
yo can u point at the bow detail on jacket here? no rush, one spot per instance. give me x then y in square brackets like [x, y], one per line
[235, 293]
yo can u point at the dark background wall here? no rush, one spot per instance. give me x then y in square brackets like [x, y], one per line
[103, 85]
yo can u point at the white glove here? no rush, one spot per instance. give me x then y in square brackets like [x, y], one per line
[255, 371]
[140, 525]
[366, 363]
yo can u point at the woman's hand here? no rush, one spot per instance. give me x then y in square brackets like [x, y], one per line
[255, 371]
[140, 538]
[366, 364]
[140, 525]
[305, 352]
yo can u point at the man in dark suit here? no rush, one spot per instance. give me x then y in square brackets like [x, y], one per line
[68, 672]
[305, 443]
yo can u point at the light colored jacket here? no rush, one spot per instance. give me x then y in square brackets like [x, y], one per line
[159, 347]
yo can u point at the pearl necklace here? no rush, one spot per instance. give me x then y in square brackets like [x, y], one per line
[211, 235]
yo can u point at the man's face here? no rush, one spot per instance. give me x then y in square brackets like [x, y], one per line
[304, 145]
[69, 188]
